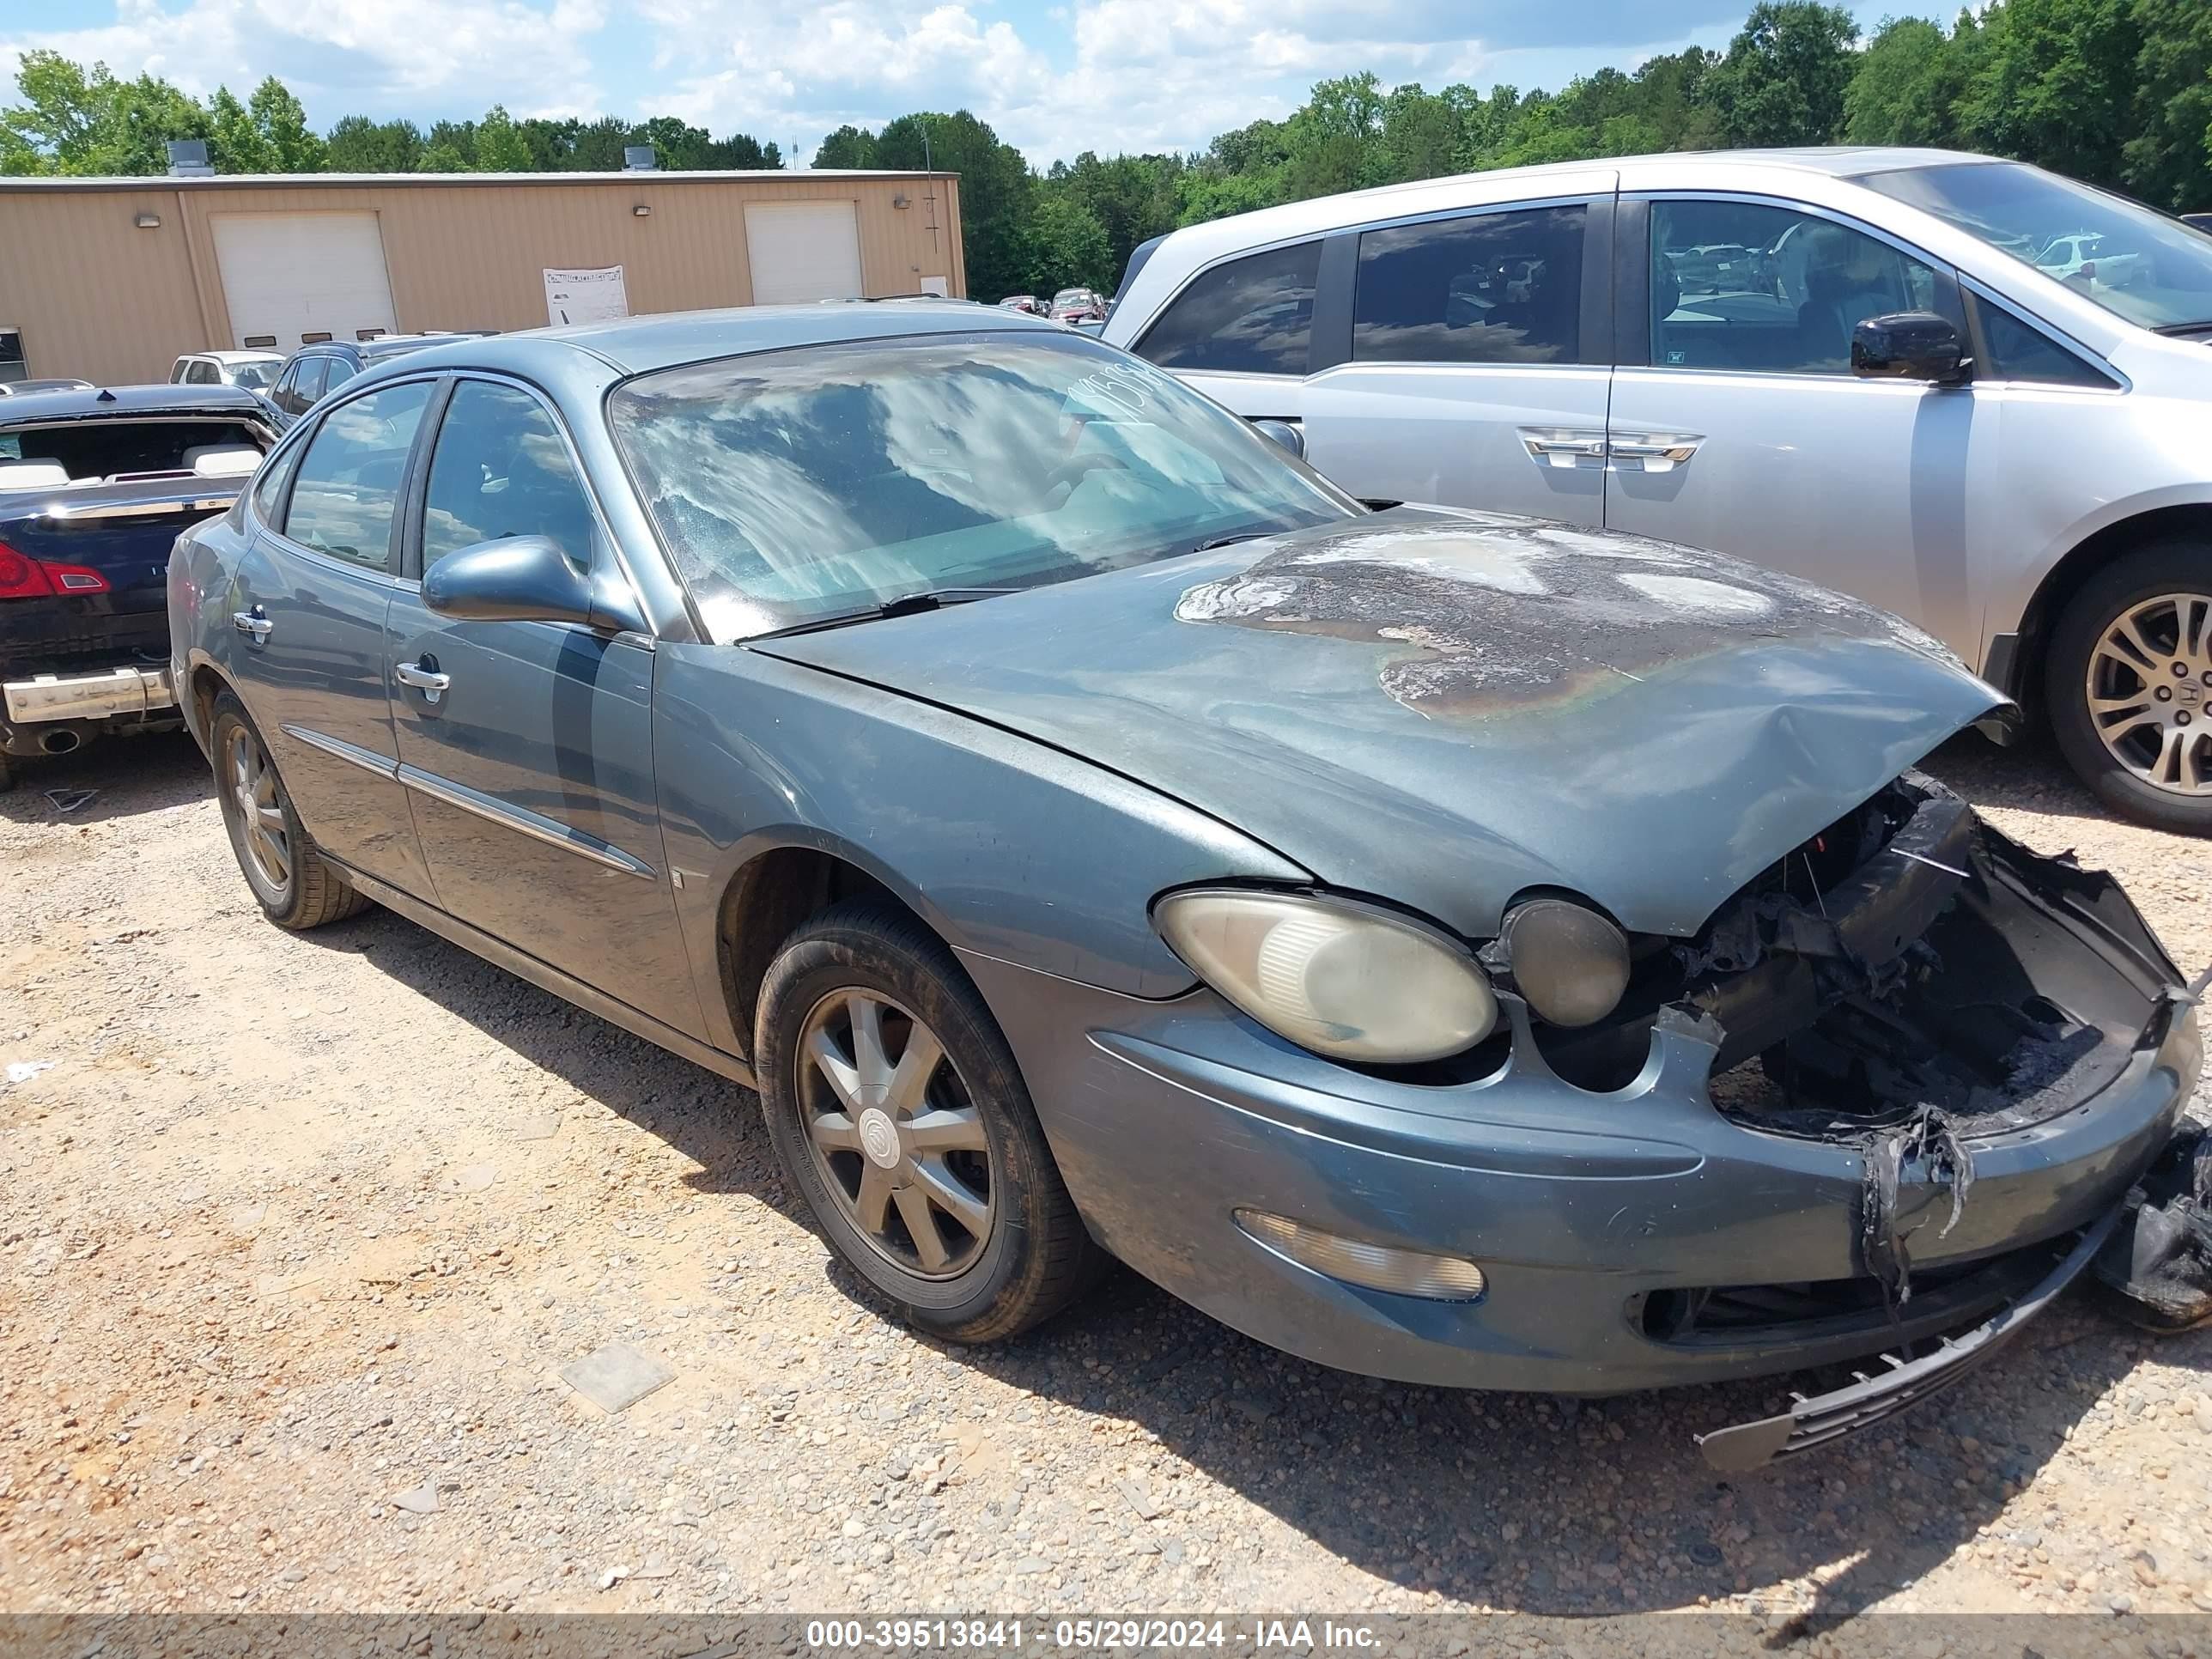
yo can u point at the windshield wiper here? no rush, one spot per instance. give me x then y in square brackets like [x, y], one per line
[2204, 326]
[1231, 541]
[906, 604]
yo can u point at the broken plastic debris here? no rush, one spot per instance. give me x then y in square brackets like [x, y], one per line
[67, 801]
[420, 1500]
[616, 1377]
[23, 1071]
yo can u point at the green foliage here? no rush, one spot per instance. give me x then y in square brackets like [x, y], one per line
[1783, 79]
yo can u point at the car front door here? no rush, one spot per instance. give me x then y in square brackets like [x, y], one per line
[307, 614]
[1738, 425]
[527, 747]
[1477, 361]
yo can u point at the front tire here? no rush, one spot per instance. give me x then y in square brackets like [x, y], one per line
[896, 1110]
[295, 886]
[2129, 685]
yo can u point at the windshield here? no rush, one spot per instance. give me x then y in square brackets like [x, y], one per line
[254, 376]
[792, 486]
[2147, 267]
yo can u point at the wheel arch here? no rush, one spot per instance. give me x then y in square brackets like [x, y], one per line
[205, 682]
[773, 891]
[2021, 674]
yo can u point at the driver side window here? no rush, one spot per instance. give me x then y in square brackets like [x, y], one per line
[1746, 286]
[502, 469]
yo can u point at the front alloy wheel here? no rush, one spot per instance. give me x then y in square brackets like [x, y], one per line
[895, 1133]
[899, 1115]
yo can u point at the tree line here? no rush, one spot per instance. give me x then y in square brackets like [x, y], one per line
[2115, 92]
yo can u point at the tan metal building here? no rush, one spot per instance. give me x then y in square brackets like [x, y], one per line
[110, 279]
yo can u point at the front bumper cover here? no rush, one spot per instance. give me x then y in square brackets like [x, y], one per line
[1813, 1421]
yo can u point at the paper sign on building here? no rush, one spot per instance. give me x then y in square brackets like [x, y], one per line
[585, 296]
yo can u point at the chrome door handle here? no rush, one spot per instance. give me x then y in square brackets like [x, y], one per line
[1562, 445]
[424, 676]
[253, 622]
[1659, 452]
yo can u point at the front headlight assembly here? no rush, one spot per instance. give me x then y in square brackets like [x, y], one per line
[1353, 981]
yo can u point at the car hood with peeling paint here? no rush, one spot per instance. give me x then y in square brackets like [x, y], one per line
[1444, 708]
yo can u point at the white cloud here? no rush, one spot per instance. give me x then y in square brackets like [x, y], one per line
[421, 57]
[1104, 74]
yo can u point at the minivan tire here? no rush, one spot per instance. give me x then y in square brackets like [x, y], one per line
[315, 892]
[1037, 1256]
[2148, 572]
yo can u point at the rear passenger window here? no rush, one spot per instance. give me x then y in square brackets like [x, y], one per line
[1250, 316]
[269, 492]
[1738, 285]
[1490, 287]
[348, 486]
[2019, 351]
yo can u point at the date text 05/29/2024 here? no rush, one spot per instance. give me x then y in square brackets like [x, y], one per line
[1087, 1635]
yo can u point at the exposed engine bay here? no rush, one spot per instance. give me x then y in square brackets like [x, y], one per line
[1907, 980]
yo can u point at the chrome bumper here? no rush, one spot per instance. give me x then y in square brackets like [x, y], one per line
[110, 692]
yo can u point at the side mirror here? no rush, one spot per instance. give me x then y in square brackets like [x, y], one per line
[1285, 432]
[518, 578]
[1909, 345]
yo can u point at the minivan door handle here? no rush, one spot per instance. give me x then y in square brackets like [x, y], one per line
[1563, 446]
[424, 676]
[1654, 451]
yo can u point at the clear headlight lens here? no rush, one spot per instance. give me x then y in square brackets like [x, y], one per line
[1569, 962]
[1345, 980]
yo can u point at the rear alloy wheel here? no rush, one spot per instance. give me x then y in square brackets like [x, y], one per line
[2130, 687]
[898, 1113]
[294, 884]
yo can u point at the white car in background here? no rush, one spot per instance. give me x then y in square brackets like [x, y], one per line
[254, 370]
[1848, 364]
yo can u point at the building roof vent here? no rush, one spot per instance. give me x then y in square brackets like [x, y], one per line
[188, 159]
[640, 158]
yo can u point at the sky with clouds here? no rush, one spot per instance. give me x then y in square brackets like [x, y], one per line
[1054, 76]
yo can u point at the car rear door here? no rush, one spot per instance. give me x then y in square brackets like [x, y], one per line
[308, 606]
[1472, 358]
[1738, 425]
[527, 747]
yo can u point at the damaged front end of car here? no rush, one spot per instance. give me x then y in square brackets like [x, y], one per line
[1912, 985]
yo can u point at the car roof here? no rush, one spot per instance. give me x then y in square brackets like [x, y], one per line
[123, 400]
[632, 345]
[253, 356]
[1323, 214]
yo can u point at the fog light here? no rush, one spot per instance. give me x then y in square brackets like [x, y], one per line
[1377, 1266]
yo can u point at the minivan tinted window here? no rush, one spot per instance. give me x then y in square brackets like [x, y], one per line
[1252, 316]
[1742, 285]
[1487, 287]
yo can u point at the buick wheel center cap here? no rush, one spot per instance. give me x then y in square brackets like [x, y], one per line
[879, 1138]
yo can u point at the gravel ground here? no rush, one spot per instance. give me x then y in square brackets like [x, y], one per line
[300, 1233]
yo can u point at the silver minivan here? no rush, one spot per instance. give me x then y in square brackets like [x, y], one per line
[1971, 392]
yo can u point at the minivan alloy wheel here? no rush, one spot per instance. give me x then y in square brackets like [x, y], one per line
[2150, 691]
[253, 783]
[895, 1133]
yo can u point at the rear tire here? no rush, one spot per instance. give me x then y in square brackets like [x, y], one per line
[2127, 681]
[295, 886]
[891, 1155]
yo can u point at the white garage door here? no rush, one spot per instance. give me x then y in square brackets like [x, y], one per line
[286, 275]
[803, 250]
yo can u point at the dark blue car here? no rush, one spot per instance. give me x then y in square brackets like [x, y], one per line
[1456, 947]
[95, 487]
